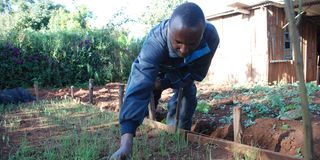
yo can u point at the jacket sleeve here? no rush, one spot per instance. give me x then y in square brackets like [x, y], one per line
[140, 85]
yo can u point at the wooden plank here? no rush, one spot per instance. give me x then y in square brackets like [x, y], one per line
[260, 154]
[255, 153]
[161, 126]
[116, 124]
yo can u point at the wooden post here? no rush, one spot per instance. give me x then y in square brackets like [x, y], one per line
[91, 91]
[237, 128]
[318, 70]
[36, 89]
[152, 108]
[72, 92]
[180, 95]
[121, 93]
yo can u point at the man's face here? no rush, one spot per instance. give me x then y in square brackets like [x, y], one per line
[186, 40]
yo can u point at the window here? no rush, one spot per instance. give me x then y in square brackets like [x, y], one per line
[287, 48]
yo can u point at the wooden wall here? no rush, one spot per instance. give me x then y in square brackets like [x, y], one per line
[309, 48]
[279, 68]
[252, 48]
[242, 55]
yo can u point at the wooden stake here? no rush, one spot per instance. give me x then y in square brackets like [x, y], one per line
[72, 92]
[36, 89]
[180, 95]
[237, 128]
[91, 91]
[121, 93]
[152, 108]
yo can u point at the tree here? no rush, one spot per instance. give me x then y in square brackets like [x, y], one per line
[64, 20]
[35, 15]
[158, 11]
[5, 6]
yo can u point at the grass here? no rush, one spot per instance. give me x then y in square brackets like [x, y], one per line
[67, 130]
[65, 127]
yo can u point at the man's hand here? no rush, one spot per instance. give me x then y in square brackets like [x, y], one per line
[124, 152]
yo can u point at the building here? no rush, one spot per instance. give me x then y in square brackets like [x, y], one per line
[255, 43]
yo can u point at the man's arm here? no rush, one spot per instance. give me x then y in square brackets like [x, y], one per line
[140, 85]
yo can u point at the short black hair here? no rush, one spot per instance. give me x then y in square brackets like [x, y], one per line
[190, 13]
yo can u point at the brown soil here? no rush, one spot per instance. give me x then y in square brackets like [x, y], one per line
[273, 134]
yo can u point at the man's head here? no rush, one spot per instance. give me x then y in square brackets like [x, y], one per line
[186, 28]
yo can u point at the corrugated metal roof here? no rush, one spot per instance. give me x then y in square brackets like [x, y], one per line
[311, 7]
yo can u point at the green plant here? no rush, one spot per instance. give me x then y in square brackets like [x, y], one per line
[226, 120]
[248, 122]
[312, 88]
[299, 153]
[203, 107]
[285, 127]
[24, 150]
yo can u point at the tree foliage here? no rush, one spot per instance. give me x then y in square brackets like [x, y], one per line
[43, 41]
[158, 11]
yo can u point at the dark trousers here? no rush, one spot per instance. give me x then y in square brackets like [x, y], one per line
[188, 106]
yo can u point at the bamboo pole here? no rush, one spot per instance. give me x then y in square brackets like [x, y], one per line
[294, 37]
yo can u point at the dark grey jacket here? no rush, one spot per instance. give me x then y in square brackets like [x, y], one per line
[157, 56]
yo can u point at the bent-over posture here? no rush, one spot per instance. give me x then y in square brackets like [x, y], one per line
[176, 53]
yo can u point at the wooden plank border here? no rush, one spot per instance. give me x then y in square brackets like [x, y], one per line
[257, 153]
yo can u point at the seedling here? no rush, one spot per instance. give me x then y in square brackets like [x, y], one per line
[285, 127]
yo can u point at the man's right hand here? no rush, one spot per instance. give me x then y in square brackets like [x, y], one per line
[124, 152]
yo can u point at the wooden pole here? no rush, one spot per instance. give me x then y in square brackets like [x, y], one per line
[294, 37]
[36, 89]
[152, 108]
[237, 128]
[121, 93]
[318, 69]
[91, 91]
[72, 91]
[180, 95]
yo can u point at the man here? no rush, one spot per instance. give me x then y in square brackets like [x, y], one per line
[175, 54]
